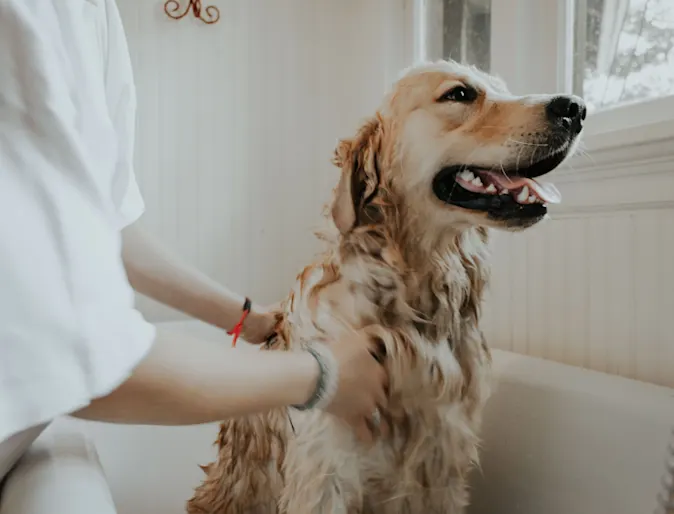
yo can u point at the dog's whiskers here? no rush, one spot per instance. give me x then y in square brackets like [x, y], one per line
[503, 170]
[526, 143]
[532, 156]
[585, 154]
[517, 160]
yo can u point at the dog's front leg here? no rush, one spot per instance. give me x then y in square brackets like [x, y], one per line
[322, 469]
[245, 478]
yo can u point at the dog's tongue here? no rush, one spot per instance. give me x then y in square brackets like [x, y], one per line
[545, 191]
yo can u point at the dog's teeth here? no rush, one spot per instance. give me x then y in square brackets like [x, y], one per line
[504, 192]
[524, 195]
[491, 188]
[532, 199]
[477, 182]
[467, 176]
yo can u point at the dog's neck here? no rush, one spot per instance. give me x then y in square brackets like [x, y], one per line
[436, 283]
[449, 274]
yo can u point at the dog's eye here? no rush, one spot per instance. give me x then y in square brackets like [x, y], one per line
[459, 94]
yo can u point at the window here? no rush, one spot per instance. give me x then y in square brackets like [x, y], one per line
[459, 30]
[624, 51]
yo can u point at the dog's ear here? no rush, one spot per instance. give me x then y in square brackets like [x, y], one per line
[359, 160]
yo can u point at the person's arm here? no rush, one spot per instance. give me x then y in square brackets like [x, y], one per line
[186, 381]
[155, 272]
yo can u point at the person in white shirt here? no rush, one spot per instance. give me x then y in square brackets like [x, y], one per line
[71, 341]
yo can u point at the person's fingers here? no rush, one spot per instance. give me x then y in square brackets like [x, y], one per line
[378, 424]
[384, 427]
[382, 390]
[385, 379]
[377, 348]
[362, 430]
[381, 400]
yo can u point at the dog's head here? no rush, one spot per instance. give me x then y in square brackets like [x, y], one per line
[455, 149]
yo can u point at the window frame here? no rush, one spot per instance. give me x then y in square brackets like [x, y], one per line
[541, 58]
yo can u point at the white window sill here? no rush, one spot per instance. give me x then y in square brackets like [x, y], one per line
[622, 152]
[629, 137]
[628, 169]
[631, 125]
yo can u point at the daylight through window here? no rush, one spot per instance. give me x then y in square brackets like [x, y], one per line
[459, 30]
[624, 51]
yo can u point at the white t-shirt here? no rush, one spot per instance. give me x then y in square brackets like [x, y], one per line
[69, 331]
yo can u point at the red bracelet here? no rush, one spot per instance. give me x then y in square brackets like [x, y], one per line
[236, 331]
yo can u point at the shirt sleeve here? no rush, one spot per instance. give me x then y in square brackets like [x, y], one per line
[121, 100]
[69, 331]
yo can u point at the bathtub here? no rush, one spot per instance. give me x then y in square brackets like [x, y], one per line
[557, 440]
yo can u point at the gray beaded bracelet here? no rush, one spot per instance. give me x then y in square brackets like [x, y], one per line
[328, 375]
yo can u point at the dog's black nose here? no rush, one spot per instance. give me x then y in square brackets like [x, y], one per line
[568, 111]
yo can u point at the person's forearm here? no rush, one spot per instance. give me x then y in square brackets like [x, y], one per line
[201, 382]
[154, 272]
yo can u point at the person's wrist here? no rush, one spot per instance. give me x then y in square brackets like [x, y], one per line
[308, 373]
[325, 387]
[250, 320]
[255, 325]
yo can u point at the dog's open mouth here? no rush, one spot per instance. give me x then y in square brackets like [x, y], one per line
[502, 193]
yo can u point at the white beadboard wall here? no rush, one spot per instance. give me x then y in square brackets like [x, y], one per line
[237, 123]
[594, 286]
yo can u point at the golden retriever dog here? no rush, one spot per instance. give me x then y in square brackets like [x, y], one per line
[449, 155]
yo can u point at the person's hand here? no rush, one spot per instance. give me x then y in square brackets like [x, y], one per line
[362, 388]
[260, 323]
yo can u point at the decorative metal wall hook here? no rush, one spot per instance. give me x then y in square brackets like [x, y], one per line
[209, 15]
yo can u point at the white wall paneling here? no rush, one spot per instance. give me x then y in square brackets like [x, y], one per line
[237, 122]
[594, 286]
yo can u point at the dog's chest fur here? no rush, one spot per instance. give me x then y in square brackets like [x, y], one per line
[425, 316]
[435, 356]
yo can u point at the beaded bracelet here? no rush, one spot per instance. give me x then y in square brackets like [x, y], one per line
[328, 375]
